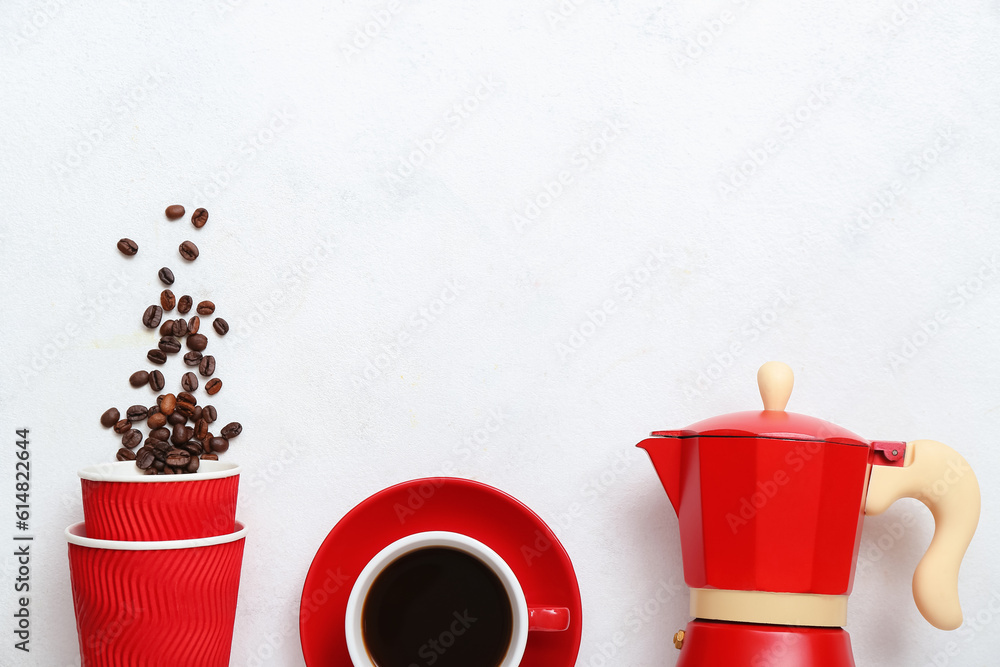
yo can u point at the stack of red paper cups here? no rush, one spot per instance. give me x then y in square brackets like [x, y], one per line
[155, 565]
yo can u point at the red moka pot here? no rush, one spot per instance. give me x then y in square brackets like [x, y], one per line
[771, 506]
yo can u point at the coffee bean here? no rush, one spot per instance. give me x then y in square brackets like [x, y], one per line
[189, 381]
[200, 429]
[176, 418]
[181, 434]
[156, 357]
[187, 397]
[131, 438]
[122, 426]
[199, 218]
[210, 414]
[169, 344]
[221, 326]
[206, 308]
[156, 421]
[209, 457]
[167, 300]
[167, 328]
[213, 386]
[128, 247]
[138, 378]
[160, 447]
[188, 251]
[174, 212]
[110, 417]
[219, 445]
[166, 276]
[193, 465]
[158, 464]
[184, 408]
[151, 318]
[194, 324]
[192, 358]
[193, 447]
[137, 413]
[207, 366]
[153, 410]
[184, 304]
[197, 342]
[231, 430]
[168, 404]
[179, 328]
[178, 457]
[161, 433]
[156, 380]
[144, 459]
[125, 455]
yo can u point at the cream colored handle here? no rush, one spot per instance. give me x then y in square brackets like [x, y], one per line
[940, 478]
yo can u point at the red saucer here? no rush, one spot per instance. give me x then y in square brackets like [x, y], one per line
[482, 512]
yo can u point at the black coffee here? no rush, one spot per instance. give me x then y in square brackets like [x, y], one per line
[437, 606]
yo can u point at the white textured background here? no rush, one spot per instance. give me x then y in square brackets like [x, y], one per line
[267, 115]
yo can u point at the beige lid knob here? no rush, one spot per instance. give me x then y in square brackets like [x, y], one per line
[775, 380]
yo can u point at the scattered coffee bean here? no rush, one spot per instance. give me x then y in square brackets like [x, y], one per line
[128, 247]
[176, 418]
[184, 304]
[159, 465]
[207, 366]
[166, 276]
[166, 328]
[131, 438]
[156, 421]
[169, 344]
[197, 342]
[221, 326]
[136, 413]
[206, 308]
[210, 414]
[178, 457]
[213, 386]
[167, 300]
[122, 426]
[125, 455]
[168, 404]
[153, 410]
[138, 378]
[208, 456]
[110, 417]
[188, 251]
[198, 410]
[199, 218]
[174, 212]
[156, 357]
[219, 445]
[231, 430]
[179, 328]
[181, 434]
[193, 465]
[193, 447]
[151, 318]
[162, 433]
[184, 409]
[200, 429]
[187, 397]
[156, 380]
[194, 324]
[192, 358]
[144, 459]
[189, 381]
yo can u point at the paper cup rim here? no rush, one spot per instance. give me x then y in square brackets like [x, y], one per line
[74, 536]
[124, 471]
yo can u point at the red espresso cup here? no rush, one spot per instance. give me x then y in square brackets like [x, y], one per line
[165, 603]
[121, 503]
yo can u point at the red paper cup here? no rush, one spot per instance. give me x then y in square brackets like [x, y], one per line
[155, 603]
[121, 503]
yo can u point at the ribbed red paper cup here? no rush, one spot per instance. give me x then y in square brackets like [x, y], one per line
[155, 603]
[121, 503]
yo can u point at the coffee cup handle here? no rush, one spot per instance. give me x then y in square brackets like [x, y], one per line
[548, 619]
